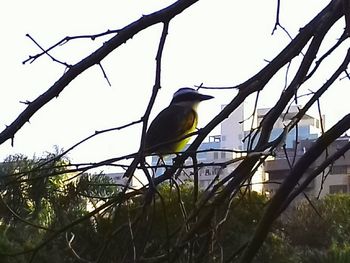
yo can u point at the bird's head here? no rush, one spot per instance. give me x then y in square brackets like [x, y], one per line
[189, 96]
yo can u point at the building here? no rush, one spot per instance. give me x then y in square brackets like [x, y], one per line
[214, 162]
[309, 126]
[210, 159]
[235, 135]
[137, 180]
[335, 179]
[233, 129]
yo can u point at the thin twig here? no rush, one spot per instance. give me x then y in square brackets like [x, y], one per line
[162, 16]
[65, 40]
[104, 74]
[47, 52]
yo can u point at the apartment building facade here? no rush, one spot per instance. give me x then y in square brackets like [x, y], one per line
[335, 179]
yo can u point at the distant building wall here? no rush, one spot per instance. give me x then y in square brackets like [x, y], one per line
[232, 130]
[335, 179]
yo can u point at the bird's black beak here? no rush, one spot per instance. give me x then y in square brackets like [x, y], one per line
[202, 97]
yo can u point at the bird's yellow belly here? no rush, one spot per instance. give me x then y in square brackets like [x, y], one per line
[179, 146]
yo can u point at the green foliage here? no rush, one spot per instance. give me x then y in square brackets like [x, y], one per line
[41, 192]
[330, 225]
[335, 254]
[230, 227]
[276, 250]
[30, 185]
[38, 193]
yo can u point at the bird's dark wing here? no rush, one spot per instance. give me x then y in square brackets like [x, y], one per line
[172, 123]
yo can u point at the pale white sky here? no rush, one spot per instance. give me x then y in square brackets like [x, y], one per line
[219, 43]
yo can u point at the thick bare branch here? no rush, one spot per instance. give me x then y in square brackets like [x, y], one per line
[95, 58]
[289, 183]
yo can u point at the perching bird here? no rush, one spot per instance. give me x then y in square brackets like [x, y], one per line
[166, 133]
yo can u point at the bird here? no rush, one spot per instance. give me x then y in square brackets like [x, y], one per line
[167, 132]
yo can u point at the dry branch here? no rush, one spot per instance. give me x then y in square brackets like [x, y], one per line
[95, 58]
[203, 213]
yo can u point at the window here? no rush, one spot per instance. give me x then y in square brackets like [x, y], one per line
[216, 171]
[317, 123]
[223, 155]
[216, 155]
[339, 169]
[207, 172]
[203, 184]
[277, 175]
[340, 188]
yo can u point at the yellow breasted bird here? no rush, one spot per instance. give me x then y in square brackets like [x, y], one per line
[166, 133]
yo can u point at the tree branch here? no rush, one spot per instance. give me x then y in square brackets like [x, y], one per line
[289, 183]
[125, 34]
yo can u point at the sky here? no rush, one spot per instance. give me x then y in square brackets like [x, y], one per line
[217, 43]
